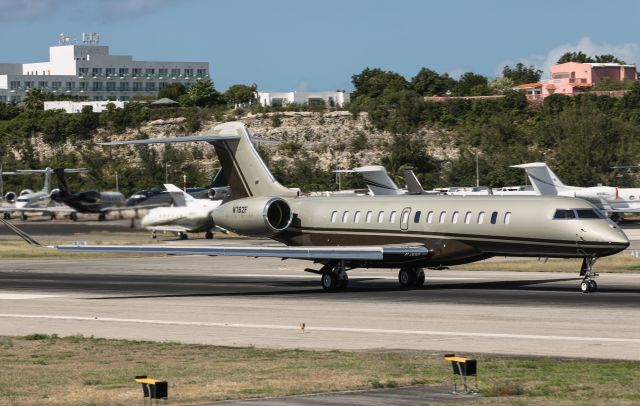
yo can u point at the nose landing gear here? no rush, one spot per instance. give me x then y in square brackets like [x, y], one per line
[588, 284]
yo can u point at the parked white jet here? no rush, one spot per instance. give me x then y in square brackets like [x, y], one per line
[187, 215]
[29, 201]
[610, 199]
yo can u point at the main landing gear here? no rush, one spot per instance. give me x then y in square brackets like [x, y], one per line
[588, 284]
[333, 276]
[208, 235]
[411, 277]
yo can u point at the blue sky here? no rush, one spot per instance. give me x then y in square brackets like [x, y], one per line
[317, 45]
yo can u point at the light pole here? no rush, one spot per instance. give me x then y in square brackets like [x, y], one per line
[117, 186]
[477, 171]
[166, 171]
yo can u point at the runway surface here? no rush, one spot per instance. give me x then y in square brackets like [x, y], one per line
[240, 301]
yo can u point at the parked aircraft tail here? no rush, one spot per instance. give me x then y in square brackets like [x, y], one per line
[544, 181]
[179, 197]
[413, 184]
[377, 179]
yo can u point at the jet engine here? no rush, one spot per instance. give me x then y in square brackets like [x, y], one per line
[26, 192]
[593, 194]
[218, 193]
[254, 216]
[10, 197]
[55, 195]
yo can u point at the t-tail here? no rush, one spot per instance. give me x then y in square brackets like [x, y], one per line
[246, 172]
[544, 181]
[179, 197]
[413, 184]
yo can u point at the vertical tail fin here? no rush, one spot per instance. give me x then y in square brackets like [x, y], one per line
[219, 180]
[62, 182]
[413, 184]
[544, 181]
[244, 169]
[180, 198]
[378, 180]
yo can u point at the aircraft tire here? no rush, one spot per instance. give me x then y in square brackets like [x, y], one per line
[183, 236]
[329, 281]
[73, 217]
[7, 216]
[23, 217]
[407, 277]
[208, 235]
[593, 286]
[585, 286]
[420, 278]
[102, 217]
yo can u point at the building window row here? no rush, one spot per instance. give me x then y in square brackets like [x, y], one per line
[140, 72]
[85, 86]
[456, 217]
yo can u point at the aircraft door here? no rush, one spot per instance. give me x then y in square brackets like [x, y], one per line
[404, 219]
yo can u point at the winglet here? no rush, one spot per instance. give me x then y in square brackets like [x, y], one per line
[22, 234]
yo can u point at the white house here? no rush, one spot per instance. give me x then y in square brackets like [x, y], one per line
[337, 98]
[76, 107]
[89, 70]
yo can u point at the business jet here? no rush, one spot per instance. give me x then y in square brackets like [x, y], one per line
[28, 201]
[613, 200]
[406, 232]
[187, 215]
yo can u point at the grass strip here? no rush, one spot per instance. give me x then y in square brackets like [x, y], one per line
[42, 369]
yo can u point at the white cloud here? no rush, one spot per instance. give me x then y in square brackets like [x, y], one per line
[628, 52]
[15, 10]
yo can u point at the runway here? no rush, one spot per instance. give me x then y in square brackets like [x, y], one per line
[262, 302]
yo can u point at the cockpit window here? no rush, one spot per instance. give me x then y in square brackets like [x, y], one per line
[589, 214]
[562, 214]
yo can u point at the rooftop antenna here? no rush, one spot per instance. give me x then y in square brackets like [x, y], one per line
[64, 39]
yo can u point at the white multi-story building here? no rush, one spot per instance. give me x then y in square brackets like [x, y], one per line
[337, 98]
[88, 70]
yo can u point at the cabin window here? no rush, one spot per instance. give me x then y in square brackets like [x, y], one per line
[494, 217]
[454, 218]
[430, 217]
[443, 215]
[334, 216]
[345, 216]
[416, 217]
[480, 217]
[563, 214]
[507, 217]
[380, 217]
[467, 218]
[367, 218]
[392, 217]
[356, 217]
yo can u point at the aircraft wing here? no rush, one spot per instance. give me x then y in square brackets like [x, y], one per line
[169, 229]
[365, 253]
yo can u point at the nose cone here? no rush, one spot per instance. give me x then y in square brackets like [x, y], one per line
[617, 240]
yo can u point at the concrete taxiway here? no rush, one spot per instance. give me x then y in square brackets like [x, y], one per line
[263, 302]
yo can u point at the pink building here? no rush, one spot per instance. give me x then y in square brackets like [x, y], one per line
[572, 78]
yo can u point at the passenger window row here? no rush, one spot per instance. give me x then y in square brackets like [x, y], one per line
[442, 217]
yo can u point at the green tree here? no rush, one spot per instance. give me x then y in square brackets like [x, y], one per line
[608, 58]
[373, 82]
[471, 84]
[579, 56]
[241, 94]
[202, 94]
[172, 91]
[521, 74]
[34, 99]
[430, 83]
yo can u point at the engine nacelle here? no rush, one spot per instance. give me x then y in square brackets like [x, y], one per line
[218, 193]
[10, 197]
[55, 195]
[254, 216]
[26, 192]
[593, 194]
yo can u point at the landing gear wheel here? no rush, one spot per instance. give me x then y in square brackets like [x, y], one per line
[329, 281]
[588, 285]
[52, 216]
[153, 235]
[183, 236]
[208, 235]
[7, 216]
[420, 279]
[593, 286]
[585, 286]
[23, 217]
[102, 217]
[73, 217]
[407, 278]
